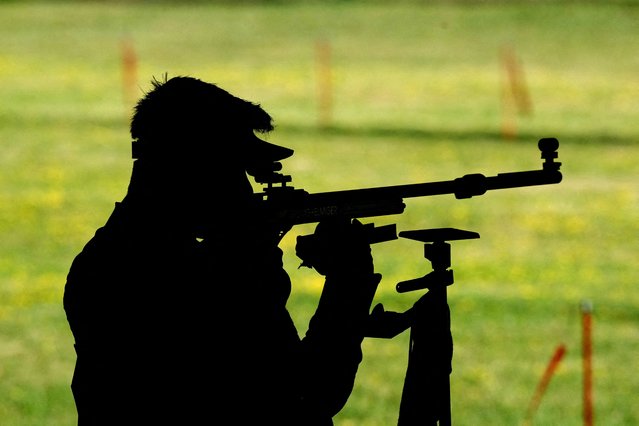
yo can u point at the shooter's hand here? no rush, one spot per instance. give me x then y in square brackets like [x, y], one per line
[337, 247]
[340, 251]
[387, 324]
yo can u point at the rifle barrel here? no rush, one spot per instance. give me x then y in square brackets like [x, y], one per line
[464, 187]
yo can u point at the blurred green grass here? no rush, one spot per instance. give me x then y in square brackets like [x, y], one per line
[416, 98]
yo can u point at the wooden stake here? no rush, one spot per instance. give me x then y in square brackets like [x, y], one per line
[508, 114]
[518, 86]
[515, 94]
[586, 353]
[129, 71]
[553, 364]
[323, 64]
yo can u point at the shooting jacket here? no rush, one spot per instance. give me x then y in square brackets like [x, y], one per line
[175, 331]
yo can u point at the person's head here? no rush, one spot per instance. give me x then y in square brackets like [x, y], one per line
[194, 141]
[185, 118]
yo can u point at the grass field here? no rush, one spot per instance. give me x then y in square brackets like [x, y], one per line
[417, 97]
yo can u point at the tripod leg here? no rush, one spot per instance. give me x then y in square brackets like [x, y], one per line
[426, 392]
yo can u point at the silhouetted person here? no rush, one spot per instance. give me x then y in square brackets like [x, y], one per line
[178, 303]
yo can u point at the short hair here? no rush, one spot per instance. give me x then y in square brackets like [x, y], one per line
[182, 105]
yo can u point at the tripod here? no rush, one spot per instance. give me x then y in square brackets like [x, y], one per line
[426, 393]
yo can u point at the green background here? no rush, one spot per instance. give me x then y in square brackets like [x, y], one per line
[419, 93]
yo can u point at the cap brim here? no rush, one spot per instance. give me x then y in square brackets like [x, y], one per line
[262, 150]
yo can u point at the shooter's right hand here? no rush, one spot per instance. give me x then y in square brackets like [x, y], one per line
[338, 247]
[340, 251]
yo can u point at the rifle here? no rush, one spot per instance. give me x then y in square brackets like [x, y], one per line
[287, 206]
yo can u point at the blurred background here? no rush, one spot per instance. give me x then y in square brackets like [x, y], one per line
[368, 94]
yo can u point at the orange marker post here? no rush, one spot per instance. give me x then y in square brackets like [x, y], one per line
[553, 364]
[323, 64]
[129, 71]
[515, 96]
[586, 353]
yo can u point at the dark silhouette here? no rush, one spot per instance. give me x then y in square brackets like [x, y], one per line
[178, 303]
